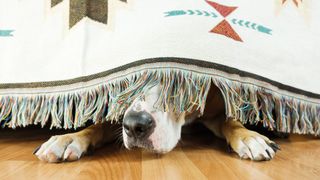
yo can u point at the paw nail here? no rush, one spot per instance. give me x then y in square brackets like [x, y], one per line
[36, 150]
[275, 147]
[270, 157]
[229, 149]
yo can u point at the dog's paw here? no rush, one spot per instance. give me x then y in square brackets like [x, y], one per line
[68, 147]
[251, 145]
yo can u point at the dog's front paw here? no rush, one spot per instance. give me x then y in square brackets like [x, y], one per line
[251, 145]
[68, 147]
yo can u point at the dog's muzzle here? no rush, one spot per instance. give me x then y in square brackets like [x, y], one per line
[138, 125]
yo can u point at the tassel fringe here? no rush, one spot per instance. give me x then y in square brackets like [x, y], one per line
[181, 90]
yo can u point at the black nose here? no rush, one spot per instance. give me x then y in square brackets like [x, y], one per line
[138, 124]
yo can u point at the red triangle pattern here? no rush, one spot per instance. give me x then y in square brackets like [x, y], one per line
[222, 9]
[224, 28]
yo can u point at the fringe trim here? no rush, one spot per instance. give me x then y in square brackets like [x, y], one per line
[181, 90]
[251, 104]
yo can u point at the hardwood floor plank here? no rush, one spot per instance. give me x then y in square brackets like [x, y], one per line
[200, 156]
[174, 165]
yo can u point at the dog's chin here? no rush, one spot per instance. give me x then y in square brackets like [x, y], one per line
[159, 146]
[149, 147]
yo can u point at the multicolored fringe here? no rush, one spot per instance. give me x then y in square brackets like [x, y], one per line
[181, 90]
[251, 104]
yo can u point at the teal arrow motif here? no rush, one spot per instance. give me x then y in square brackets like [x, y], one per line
[247, 24]
[199, 12]
[264, 29]
[206, 13]
[234, 21]
[190, 12]
[253, 26]
[175, 13]
[214, 15]
[240, 22]
[6, 33]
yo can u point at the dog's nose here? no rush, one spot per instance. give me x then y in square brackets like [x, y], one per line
[138, 124]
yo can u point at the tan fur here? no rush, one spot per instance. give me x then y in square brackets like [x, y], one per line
[248, 144]
[70, 147]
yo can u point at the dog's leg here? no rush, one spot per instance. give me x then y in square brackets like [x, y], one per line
[247, 144]
[70, 147]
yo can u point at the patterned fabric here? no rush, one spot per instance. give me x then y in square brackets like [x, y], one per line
[77, 60]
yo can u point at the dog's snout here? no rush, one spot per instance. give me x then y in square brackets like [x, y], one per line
[138, 124]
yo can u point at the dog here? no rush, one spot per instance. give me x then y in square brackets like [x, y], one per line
[145, 126]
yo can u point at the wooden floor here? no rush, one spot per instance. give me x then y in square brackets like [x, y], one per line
[196, 157]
